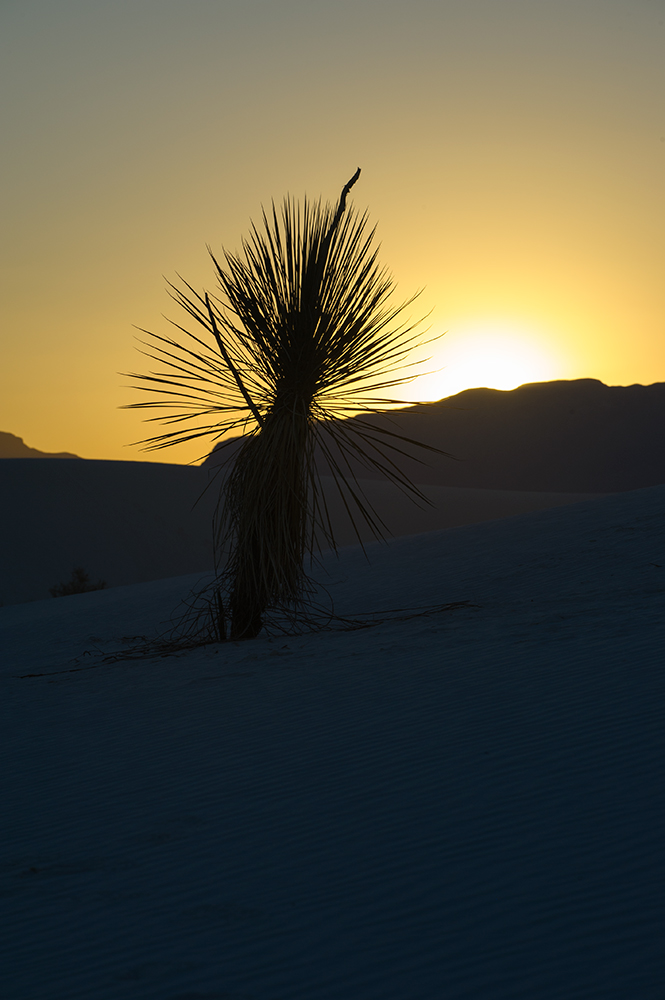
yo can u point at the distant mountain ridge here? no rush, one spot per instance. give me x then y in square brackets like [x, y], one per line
[12, 446]
[577, 436]
[564, 436]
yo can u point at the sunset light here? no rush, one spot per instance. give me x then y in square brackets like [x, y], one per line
[512, 162]
[496, 355]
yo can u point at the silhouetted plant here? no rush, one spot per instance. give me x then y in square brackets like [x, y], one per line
[79, 583]
[301, 336]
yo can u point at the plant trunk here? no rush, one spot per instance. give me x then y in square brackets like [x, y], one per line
[246, 620]
[271, 503]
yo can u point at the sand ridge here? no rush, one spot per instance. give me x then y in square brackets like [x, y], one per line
[131, 522]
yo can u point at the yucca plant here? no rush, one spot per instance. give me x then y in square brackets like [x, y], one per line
[300, 335]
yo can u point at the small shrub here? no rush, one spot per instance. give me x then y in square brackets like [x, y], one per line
[79, 584]
[301, 334]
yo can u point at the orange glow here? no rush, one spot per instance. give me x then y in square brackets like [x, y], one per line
[512, 159]
[494, 354]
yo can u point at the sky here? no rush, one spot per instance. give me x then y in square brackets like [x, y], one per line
[512, 156]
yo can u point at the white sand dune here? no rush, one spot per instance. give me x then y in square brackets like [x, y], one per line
[462, 805]
[131, 522]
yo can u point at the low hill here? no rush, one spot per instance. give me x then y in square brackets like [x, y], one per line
[577, 436]
[12, 446]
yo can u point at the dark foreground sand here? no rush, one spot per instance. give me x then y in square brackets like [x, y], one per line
[467, 804]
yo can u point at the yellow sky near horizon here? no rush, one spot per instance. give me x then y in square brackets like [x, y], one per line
[512, 157]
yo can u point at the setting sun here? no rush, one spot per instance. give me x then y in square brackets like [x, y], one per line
[496, 355]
